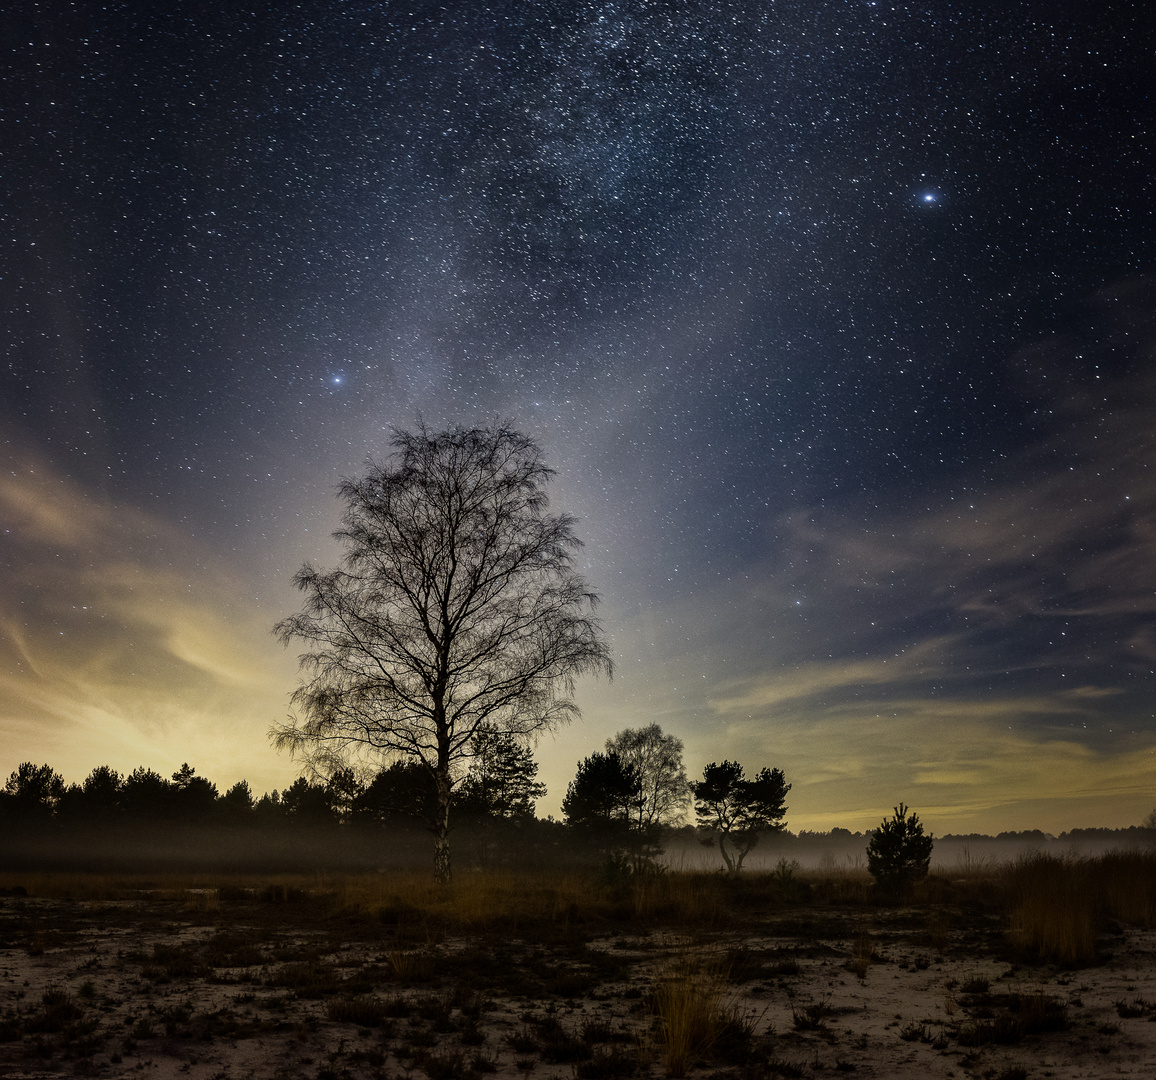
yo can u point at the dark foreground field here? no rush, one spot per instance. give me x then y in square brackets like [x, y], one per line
[1033, 971]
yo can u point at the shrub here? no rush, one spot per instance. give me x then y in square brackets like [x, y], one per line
[899, 853]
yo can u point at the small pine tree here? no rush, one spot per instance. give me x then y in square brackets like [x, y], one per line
[899, 854]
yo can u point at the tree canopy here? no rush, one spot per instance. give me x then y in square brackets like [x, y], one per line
[663, 790]
[738, 810]
[600, 798]
[456, 606]
[502, 778]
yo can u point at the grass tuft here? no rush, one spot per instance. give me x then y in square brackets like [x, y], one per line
[694, 1012]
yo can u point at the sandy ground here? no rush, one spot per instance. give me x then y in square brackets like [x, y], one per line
[135, 996]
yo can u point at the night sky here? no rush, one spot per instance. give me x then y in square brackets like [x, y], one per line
[836, 319]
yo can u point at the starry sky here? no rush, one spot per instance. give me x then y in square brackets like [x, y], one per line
[837, 321]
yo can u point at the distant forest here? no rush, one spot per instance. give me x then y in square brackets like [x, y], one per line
[145, 821]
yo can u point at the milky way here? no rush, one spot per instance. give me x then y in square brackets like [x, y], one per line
[832, 317]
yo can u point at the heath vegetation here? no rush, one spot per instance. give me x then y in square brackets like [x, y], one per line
[570, 972]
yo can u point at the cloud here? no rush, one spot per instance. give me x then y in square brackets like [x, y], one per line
[123, 643]
[804, 682]
[959, 763]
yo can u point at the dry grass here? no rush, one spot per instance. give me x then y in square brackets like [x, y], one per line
[694, 1009]
[1128, 882]
[1053, 909]
[200, 891]
[1051, 904]
[1054, 902]
[863, 955]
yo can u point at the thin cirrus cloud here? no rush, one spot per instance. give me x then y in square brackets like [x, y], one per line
[123, 645]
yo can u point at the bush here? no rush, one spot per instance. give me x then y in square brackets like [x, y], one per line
[899, 854]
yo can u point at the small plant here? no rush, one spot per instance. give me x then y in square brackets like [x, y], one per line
[785, 968]
[916, 1033]
[785, 886]
[143, 1029]
[559, 1046]
[596, 1031]
[448, 1065]
[411, 967]
[484, 1063]
[899, 853]
[58, 1009]
[472, 1035]
[309, 980]
[810, 1018]
[977, 984]
[523, 1042]
[610, 1063]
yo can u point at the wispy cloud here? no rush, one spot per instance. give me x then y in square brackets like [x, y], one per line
[122, 645]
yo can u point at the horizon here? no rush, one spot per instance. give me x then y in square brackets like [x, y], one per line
[553, 812]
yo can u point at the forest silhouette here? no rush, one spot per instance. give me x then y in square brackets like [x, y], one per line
[143, 821]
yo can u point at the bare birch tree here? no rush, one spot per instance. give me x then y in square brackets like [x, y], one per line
[456, 607]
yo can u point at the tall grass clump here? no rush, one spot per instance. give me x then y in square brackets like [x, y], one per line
[1127, 880]
[693, 1010]
[1052, 912]
[1054, 902]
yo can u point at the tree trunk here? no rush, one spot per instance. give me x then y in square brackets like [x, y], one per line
[442, 869]
[722, 846]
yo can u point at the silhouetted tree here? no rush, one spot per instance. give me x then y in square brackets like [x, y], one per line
[269, 809]
[737, 810]
[899, 854]
[102, 791]
[308, 803]
[193, 797]
[96, 801]
[456, 606]
[236, 805]
[146, 796]
[501, 781]
[32, 793]
[599, 801]
[663, 790]
[344, 787]
[402, 794]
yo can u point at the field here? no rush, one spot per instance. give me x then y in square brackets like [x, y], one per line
[1045, 967]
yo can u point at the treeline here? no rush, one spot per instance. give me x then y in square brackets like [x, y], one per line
[36, 795]
[144, 820]
[621, 810]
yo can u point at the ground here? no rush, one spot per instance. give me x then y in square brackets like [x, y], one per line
[281, 982]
